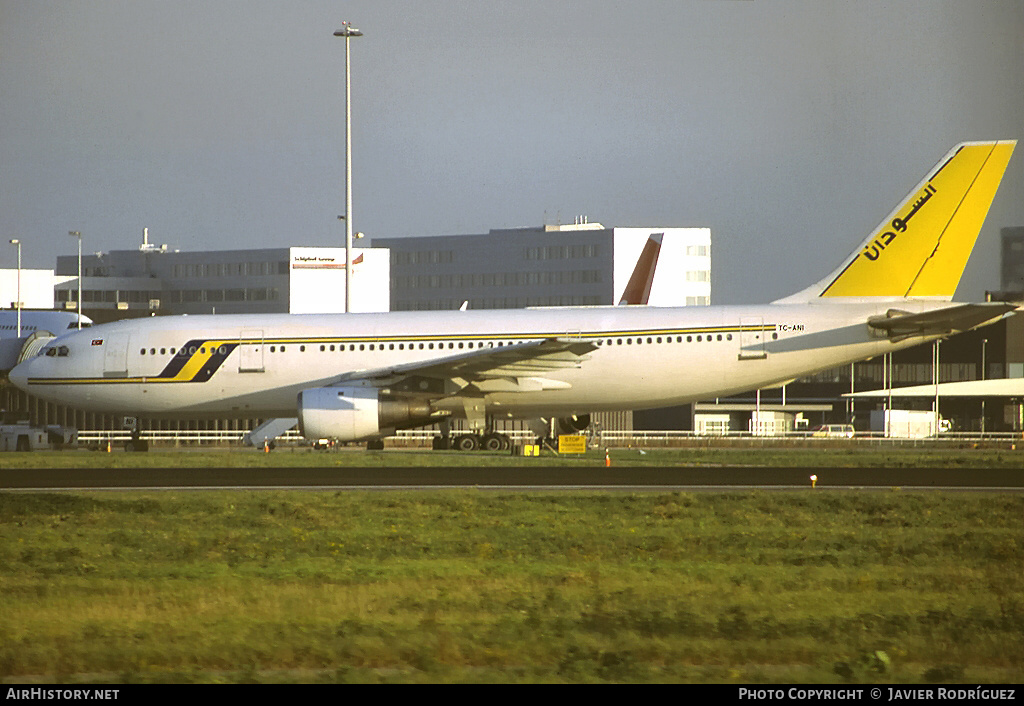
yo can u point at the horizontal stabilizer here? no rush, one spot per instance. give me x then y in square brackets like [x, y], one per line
[900, 324]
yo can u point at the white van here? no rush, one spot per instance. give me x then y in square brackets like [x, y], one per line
[843, 431]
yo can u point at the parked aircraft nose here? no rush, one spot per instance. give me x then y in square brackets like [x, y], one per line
[19, 375]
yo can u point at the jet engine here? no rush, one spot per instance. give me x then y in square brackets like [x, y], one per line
[574, 424]
[357, 413]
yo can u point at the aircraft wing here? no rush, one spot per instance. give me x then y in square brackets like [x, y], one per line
[901, 324]
[446, 375]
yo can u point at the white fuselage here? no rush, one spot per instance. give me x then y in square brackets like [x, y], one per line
[646, 357]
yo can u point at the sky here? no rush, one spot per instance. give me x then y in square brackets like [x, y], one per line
[789, 127]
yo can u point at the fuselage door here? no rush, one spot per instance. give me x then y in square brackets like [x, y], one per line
[115, 355]
[752, 335]
[250, 344]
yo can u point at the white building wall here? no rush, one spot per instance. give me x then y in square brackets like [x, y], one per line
[317, 280]
[683, 274]
[36, 289]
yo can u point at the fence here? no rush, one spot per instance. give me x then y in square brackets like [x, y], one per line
[604, 439]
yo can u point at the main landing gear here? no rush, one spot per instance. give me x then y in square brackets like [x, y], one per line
[492, 441]
[487, 441]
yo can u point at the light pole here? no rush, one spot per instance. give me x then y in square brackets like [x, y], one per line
[78, 306]
[348, 31]
[935, 375]
[984, 342]
[15, 241]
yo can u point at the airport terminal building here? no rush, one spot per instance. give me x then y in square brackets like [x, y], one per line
[582, 264]
[154, 280]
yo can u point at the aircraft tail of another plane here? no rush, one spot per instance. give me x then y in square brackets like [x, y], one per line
[921, 249]
[638, 289]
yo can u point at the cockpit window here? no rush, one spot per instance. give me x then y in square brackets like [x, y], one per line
[74, 324]
[58, 351]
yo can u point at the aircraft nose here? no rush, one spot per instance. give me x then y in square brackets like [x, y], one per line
[19, 375]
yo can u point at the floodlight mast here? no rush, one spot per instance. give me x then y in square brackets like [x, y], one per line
[78, 304]
[17, 243]
[348, 31]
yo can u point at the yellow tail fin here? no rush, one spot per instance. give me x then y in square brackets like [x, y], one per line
[922, 247]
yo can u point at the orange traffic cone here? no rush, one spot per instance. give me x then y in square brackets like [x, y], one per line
[607, 459]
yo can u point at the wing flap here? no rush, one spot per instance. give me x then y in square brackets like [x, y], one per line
[514, 361]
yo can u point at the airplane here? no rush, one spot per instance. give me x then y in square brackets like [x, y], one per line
[37, 325]
[637, 292]
[360, 377]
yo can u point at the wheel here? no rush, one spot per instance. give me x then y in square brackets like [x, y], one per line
[375, 445]
[495, 442]
[441, 443]
[466, 442]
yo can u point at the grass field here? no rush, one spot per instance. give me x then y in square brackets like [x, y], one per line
[476, 586]
[839, 455]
